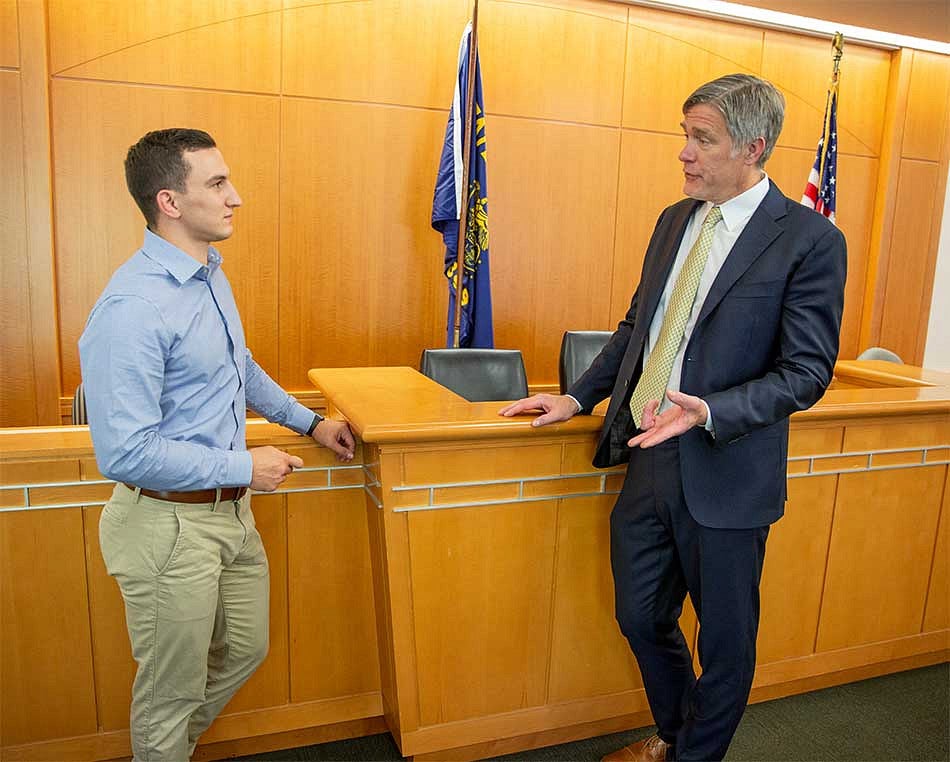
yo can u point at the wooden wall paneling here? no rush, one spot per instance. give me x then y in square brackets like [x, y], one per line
[9, 39]
[17, 379]
[854, 216]
[373, 51]
[561, 61]
[111, 651]
[242, 54]
[553, 188]
[669, 55]
[99, 227]
[885, 197]
[789, 168]
[937, 613]
[485, 592]
[34, 93]
[801, 66]
[651, 178]
[227, 44]
[876, 586]
[332, 618]
[909, 258]
[793, 576]
[46, 654]
[927, 106]
[270, 684]
[589, 656]
[364, 281]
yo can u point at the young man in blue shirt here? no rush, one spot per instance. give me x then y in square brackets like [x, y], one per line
[167, 378]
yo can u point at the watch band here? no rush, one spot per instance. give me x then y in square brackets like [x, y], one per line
[316, 419]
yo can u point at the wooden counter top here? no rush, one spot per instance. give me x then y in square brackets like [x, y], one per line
[399, 404]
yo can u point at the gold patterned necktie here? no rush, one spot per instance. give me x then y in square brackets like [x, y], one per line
[656, 372]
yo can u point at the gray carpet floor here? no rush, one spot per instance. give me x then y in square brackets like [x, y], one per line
[895, 718]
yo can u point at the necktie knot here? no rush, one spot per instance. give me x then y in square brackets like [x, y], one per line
[713, 217]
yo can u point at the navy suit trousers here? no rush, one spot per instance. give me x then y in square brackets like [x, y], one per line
[658, 554]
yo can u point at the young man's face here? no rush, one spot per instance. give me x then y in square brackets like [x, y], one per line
[716, 170]
[209, 200]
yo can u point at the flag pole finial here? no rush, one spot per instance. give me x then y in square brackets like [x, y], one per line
[837, 51]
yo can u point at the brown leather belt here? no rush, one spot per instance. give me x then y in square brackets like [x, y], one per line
[196, 496]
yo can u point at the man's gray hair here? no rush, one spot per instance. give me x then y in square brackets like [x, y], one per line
[751, 107]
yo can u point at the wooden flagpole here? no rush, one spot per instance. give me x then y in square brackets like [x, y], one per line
[466, 158]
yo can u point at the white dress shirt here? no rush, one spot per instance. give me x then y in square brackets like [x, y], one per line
[736, 213]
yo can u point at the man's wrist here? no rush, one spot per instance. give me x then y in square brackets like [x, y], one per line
[316, 419]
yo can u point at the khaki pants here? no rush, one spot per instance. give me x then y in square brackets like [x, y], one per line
[195, 582]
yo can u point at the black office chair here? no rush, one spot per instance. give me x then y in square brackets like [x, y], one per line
[879, 353]
[478, 375]
[578, 350]
[79, 408]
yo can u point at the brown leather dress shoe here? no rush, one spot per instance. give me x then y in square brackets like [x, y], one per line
[652, 749]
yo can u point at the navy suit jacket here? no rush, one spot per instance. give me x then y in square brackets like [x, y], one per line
[764, 346]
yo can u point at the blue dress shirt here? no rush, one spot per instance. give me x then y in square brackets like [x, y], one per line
[167, 375]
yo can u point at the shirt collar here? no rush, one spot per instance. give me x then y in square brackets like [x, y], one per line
[737, 210]
[178, 264]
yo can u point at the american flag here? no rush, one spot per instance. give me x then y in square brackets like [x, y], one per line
[822, 199]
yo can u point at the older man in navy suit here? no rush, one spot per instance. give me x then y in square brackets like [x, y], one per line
[733, 328]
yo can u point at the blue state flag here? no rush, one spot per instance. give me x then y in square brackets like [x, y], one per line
[476, 320]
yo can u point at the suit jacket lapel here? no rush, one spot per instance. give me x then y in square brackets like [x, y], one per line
[665, 255]
[759, 232]
[660, 261]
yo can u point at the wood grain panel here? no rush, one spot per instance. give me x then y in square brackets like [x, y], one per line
[553, 61]
[814, 441]
[17, 378]
[270, 684]
[38, 194]
[882, 540]
[927, 106]
[481, 463]
[365, 284]
[909, 258]
[789, 168]
[332, 619]
[793, 577]
[937, 613]
[113, 25]
[644, 158]
[9, 39]
[589, 656]
[99, 227]
[914, 433]
[481, 601]
[553, 189]
[669, 55]
[45, 653]
[801, 66]
[374, 51]
[237, 54]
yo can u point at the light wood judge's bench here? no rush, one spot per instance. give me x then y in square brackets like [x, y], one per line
[452, 585]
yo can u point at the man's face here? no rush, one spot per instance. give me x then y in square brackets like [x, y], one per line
[715, 169]
[210, 199]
